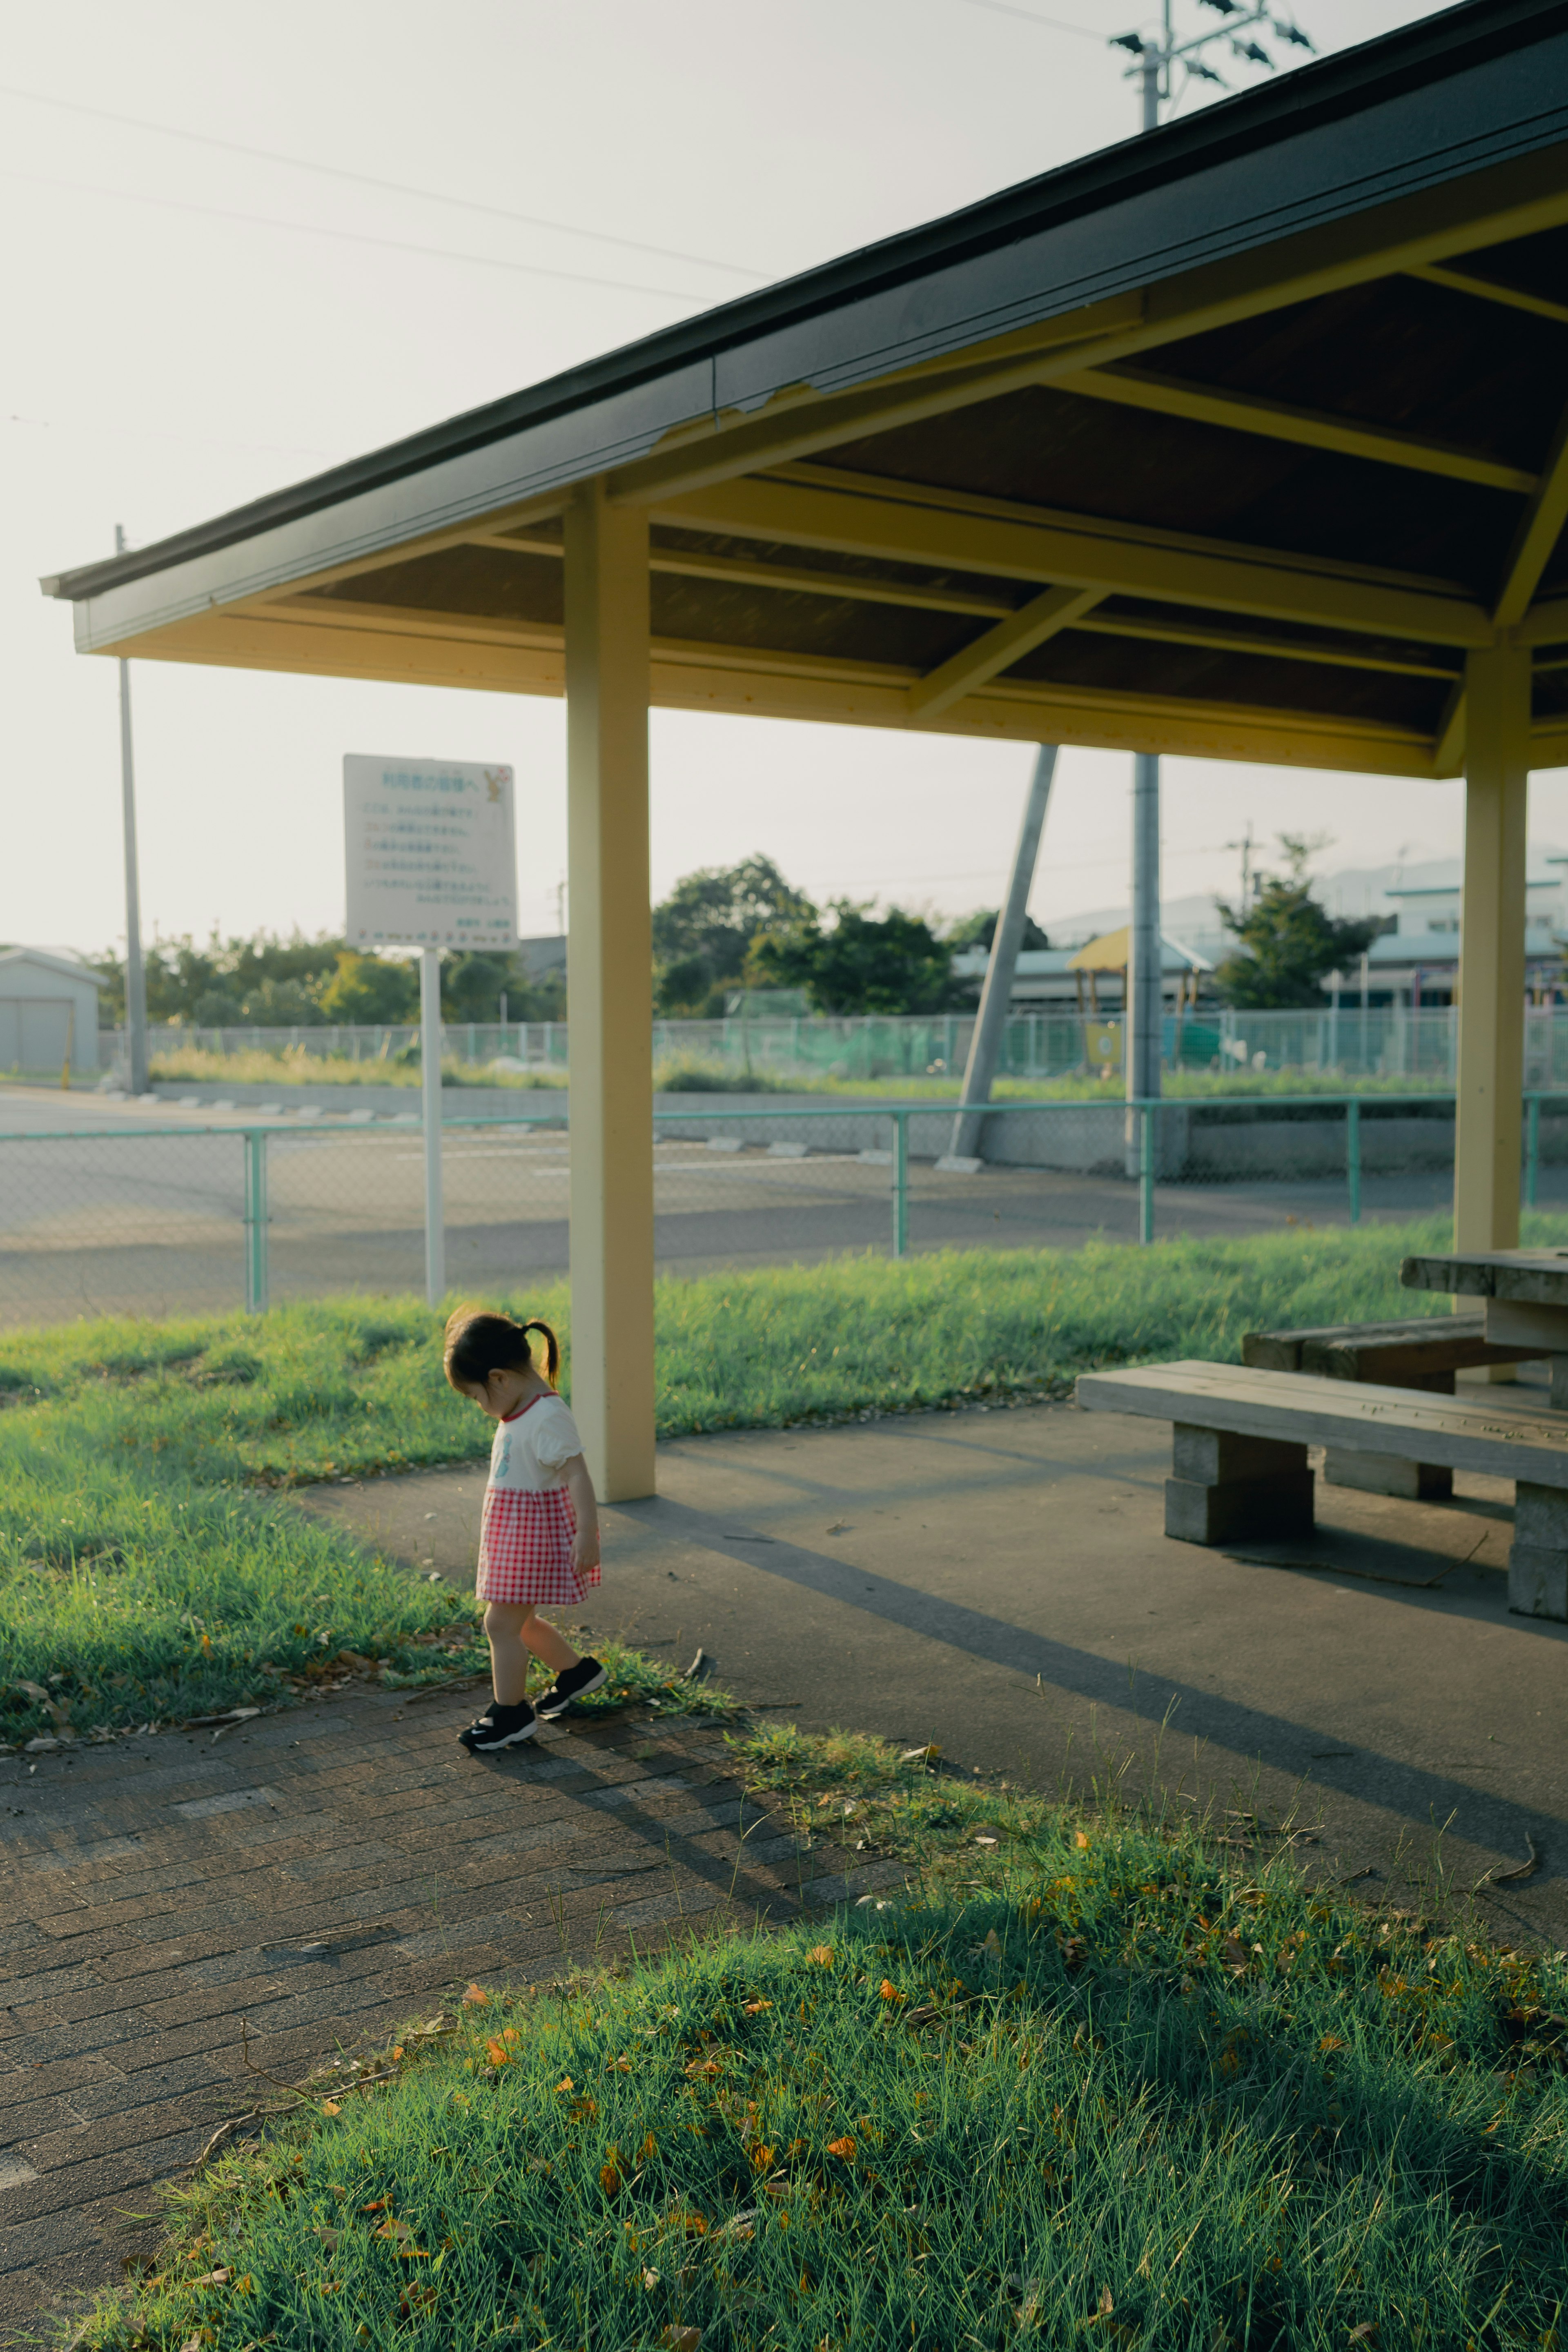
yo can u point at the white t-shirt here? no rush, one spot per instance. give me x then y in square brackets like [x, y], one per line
[530, 1447]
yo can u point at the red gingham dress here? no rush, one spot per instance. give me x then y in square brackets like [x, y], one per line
[525, 1543]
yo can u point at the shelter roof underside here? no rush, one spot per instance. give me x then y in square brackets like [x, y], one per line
[1272, 537]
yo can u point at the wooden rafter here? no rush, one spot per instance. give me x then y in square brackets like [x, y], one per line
[1488, 289]
[1448, 754]
[1238, 641]
[997, 649]
[1538, 532]
[879, 519]
[1275, 420]
[753, 573]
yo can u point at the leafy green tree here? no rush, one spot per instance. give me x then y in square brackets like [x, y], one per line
[702, 931]
[859, 963]
[372, 989]
[227, 982]
[978, 930]
[1288, 940]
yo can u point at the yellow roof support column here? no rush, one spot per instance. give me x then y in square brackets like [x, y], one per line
[609, 973]
[1491, 949]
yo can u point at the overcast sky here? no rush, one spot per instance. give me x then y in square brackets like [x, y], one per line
[189, 325]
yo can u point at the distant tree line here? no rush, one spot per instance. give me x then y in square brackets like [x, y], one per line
[269, 982]
[721, 930]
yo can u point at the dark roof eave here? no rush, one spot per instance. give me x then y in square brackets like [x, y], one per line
[1320, 93]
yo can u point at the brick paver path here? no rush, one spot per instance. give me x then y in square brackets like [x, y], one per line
[318, 1873]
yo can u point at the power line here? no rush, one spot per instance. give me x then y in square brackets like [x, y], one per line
[1028, 16]
[367, 180]
[355, 237]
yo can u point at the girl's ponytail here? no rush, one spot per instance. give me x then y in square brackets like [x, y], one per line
[552, 1348]
[478, 1343]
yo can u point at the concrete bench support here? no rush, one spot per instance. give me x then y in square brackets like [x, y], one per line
[1538, 1561]
[1421, 1351]
[1227, 1488]
[1241, 1433]
[1387, 1474]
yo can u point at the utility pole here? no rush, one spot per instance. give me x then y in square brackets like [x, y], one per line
[135, 978]
[1246, 845]
[1158, 62]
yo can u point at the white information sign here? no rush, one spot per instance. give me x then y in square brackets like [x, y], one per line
[431, 854]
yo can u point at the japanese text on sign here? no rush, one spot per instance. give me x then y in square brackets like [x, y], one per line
[431, 854]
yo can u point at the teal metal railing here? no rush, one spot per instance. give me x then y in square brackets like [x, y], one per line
[1141, 1134]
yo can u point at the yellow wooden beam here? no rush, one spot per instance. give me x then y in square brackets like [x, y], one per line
[1545, 624]
[1512, 297]
[832, 585]
[1011, 712]
[1449, 756]
[1492, 950]
[339, 612]
[397, 620]
[1041, 618]
[695, 677]
[1275, 420]
[883, 519]
[609, 979]
[1238, 641]
[744, 572]
[485, 661]
[1540, 528]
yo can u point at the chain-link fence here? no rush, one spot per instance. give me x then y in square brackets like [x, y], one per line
[1419, 1044]
[159, 1218]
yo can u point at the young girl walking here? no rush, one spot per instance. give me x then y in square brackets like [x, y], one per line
[539, 1537]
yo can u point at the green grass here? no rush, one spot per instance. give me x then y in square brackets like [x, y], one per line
[296, 1065]
[146, 1576]
[1126, 2091]
[352, 1385]
[686, 1074]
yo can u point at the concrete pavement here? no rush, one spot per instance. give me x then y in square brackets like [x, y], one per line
[997, 1580]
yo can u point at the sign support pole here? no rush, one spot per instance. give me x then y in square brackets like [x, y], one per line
[430, 1085]
[135, 976]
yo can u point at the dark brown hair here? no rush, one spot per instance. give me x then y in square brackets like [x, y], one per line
[478, 1343]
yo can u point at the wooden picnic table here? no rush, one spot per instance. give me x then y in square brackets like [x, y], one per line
[1525, 1295]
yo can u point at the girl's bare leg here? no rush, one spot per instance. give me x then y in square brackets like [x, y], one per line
[505, 1621]
[512, 1629]
[545, 1642]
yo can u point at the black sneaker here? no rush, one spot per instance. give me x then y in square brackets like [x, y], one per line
[499, 1726]
[578, 1681]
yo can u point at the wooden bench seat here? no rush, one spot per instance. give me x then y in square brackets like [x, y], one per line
[1420, 1351]
[1241, 1436]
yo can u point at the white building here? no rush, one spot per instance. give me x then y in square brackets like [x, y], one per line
[1413, 962]
[49, 1009]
